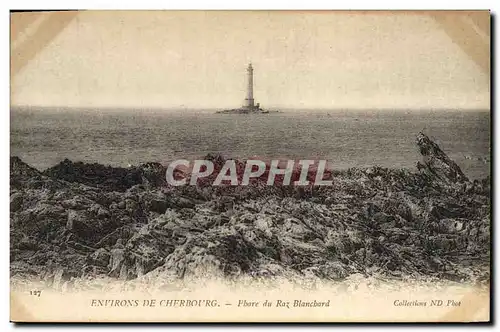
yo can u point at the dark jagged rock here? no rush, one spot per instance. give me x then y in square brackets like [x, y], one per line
[16, 201]
[107, 177]
[22, 175]
[158, 206]
[153, 174]
[100, 257]
[100, 176]
[123, 222]
[20, 168]
[437, 163]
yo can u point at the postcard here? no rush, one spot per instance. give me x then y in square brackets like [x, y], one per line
[250, 166]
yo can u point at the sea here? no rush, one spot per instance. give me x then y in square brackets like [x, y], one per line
[43, 137]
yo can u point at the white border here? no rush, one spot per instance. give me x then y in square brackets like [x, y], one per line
[185, 4]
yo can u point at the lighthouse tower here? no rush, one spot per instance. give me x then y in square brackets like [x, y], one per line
[249, 102]
[249, 106]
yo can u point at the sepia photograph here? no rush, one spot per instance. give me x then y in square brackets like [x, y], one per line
[250, 166]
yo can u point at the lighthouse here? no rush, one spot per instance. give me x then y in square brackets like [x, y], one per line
[249, 102]
[249, 106]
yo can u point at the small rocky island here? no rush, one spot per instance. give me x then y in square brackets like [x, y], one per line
[250, 107]
[244, 110]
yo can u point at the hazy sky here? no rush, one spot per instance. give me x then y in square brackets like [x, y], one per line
[198, 59]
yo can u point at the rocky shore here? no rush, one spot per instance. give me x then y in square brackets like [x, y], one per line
[76, 220]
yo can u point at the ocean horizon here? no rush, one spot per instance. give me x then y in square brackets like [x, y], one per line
[44, 136]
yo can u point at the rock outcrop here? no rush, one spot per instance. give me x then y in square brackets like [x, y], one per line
[106, 177]
[437, 163]
[86, 220]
